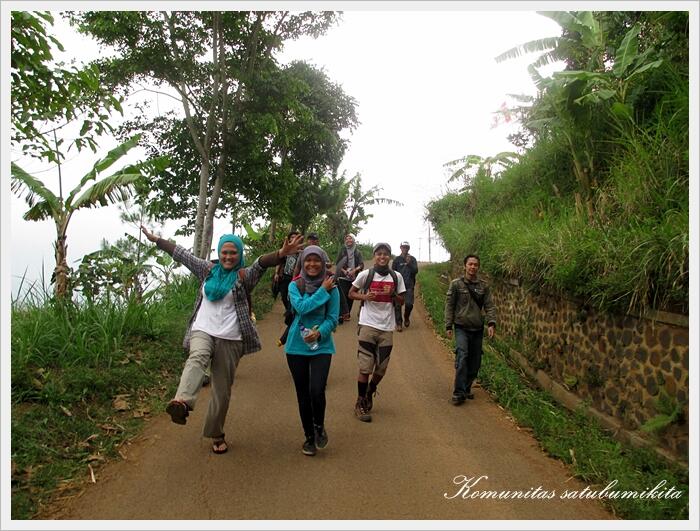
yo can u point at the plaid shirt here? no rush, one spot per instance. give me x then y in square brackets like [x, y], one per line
[201, 268]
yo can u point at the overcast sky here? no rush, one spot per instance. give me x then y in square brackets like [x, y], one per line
[426, 84]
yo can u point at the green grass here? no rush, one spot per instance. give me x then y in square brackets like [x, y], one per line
[573, 437]
[632, 253]
[69, 363]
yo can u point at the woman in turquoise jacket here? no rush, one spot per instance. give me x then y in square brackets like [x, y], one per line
[315, 301]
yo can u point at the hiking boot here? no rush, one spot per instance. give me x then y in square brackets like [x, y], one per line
[368, 399]
[457, 400]
[309, 447]
[178, 411]
[320, 437]
[361, 411]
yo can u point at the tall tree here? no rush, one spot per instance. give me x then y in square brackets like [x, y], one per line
[47, 96]
[212, 60]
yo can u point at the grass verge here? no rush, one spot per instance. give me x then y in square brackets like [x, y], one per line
[85, 380]
[573, 437]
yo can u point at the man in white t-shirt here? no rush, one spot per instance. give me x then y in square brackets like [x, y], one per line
[376, 324]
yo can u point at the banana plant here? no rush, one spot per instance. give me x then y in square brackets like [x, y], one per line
[487, 165]
[44, 204]
[574, 100]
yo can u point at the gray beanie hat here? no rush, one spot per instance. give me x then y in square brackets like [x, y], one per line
[381, 244]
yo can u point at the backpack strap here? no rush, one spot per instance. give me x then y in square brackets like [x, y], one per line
[370, 277]
[478, 299]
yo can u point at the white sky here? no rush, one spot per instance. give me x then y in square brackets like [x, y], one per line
[426, 84]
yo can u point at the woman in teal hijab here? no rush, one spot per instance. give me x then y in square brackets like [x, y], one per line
[224, 275]
[221, 329]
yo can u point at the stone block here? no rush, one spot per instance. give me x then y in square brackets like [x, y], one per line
[626, 338]
[670, 386]
[612, 394]
[650, 336]
[655, 358]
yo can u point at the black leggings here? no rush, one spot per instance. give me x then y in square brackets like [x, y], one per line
[310, 374]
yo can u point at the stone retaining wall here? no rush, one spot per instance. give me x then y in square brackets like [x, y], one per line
[622, 364]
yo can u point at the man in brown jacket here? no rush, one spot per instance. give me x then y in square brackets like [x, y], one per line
[467, 298]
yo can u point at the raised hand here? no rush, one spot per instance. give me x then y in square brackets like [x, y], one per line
[149, 235]
[292, 247]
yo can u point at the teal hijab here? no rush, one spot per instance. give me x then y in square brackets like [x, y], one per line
[220, 282]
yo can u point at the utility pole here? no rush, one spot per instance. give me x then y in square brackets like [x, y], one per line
[429, 257]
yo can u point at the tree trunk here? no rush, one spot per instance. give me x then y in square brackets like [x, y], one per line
[208, 232]
[273, 230]
[61, 269]
[201, 207]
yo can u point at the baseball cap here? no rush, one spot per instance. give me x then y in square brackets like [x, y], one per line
[312, 236]
[381, 244]
[404, 244]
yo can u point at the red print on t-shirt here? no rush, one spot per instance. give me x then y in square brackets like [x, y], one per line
[382, 290]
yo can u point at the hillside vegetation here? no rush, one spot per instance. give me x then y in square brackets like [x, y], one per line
[596, 204]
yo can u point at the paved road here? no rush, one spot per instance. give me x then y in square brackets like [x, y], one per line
[400, 466]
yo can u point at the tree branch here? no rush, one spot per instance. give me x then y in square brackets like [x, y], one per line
[179, 85]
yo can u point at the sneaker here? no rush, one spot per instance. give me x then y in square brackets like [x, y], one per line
[399, 328]
[206, 380]
[361, 410]
[320, 437]
[309, 447]
[469, 395]
[406, 322]
[457, 400]
[178, 411]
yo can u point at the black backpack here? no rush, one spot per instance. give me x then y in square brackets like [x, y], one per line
[370, 277]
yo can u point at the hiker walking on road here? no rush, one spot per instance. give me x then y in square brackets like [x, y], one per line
[348, 264]
[408, 267]
[221, 329]
[379, 288]
[315, 302]
[467, 298]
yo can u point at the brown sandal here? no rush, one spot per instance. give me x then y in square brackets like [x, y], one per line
[178, 411]
[219, 446]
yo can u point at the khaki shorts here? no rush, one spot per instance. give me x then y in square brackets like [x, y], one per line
[374, 350]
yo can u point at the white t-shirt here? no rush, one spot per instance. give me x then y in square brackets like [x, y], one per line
[218, 318]
[379, 313]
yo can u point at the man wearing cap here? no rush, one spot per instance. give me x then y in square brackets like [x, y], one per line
[378, 293]
[408, 267]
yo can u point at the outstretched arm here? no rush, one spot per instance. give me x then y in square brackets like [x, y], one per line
[273, 259]
[198, 266]
[163, 244]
